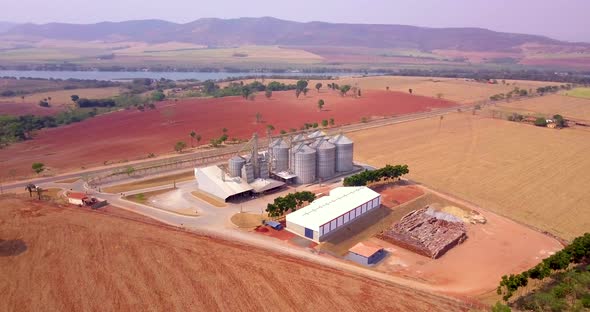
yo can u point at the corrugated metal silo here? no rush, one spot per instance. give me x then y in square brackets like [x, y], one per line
[263, 167]
[305, 164]
[344, 152]
[326, 158]
[280, 155]
[248, 172]
[235, 166]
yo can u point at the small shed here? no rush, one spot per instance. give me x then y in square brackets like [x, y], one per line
[77, 198]
[274, 224]
[366, 253]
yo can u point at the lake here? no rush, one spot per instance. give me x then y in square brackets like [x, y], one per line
[105, 75]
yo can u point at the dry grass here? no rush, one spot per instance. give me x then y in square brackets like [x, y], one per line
[567, 106]
[247, 220]
[153, 182]
[63, 97]
[209, 199]
[535, 175]
[142, 198]
[454, 89]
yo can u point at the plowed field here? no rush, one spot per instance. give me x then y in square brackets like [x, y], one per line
[71, 259]
[133, 134]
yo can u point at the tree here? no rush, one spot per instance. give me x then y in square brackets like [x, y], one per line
[75, 98]
[283, 131]
[158, 96]
[30, 188]
[541, 122]
[38, 167]
[270, 128]
[324, 123]
[129, 170]
[301, 85]
[198, 137]
[318, 86]
[193, 134]
[305, 90]
[315, 125]
[224, 130]
[268, 93]
[321, 104]
[258, 117]
[344, 89]
[499, 307]
[331, 121]
[439, 96]
[559, 121]
[246, 92]
[410, 90]
[359, 92]
[387, 88]
[297, 93]
[179, 146]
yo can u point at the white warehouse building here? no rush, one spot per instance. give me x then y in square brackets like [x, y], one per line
[328, 214]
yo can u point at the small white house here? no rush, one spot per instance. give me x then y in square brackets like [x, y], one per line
[328, 214]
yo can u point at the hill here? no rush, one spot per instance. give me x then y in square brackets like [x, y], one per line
[272, 31]
[215, 43]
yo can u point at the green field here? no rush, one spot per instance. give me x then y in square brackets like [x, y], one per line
[580, 93]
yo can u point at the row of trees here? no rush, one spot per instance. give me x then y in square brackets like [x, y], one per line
[575, 253]
[366, 177]
[290, 202]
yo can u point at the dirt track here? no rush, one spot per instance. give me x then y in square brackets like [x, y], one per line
[72, 259]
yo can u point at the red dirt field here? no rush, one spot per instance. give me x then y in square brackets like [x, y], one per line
[393, 196]
[133, 134]
[70, 259]
[17, 109]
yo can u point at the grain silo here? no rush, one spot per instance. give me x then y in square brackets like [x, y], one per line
[263, 167]
[235, 166]
[280, 155]
[304, 163]
[248, 172]
[326, 158]
[344, 152]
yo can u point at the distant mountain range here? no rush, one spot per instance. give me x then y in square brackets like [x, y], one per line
[272, 31]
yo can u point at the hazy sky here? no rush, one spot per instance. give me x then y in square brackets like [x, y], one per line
[560, 19]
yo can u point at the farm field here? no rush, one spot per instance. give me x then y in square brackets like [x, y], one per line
[567, 106]
[579, 92]
[452, 89]
[132, 134]
[114, 260]
[537, 176]
[60, 100]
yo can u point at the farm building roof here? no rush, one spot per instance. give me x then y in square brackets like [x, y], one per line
[210, 180]
[365, 249]
[75, 195]
[325, 209]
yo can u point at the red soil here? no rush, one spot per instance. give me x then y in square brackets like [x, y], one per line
[397, 195]
[16, 109]
[133, 134]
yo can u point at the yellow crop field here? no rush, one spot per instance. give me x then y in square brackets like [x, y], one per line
[63, 97]
[550, 105]
[537, 176]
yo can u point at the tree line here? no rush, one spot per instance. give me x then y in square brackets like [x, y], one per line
[290, 202]
[575, 253]
[366, 177]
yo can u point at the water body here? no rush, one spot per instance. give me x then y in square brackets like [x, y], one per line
[105, 75]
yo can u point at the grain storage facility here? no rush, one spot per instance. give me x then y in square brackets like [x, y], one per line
[304, 159]
[326, 215]
[326, 158]
[279, 150]
[344, 152]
